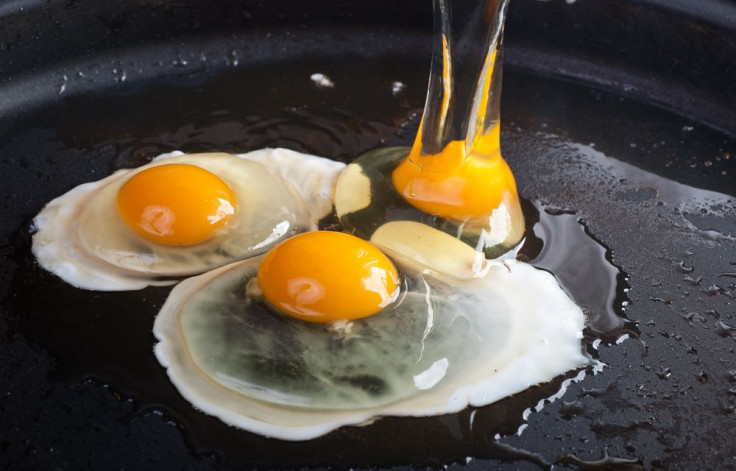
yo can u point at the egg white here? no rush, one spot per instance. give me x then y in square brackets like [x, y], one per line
[81, 238]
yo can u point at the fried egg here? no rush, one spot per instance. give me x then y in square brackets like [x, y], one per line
[456, 335]
[181, 215]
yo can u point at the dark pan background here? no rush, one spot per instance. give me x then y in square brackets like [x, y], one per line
[667, 399]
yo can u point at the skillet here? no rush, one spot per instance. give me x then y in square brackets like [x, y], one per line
[89, 87]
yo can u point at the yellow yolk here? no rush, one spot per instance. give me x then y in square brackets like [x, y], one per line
[176, 204]
[455, 185]
[328, 276]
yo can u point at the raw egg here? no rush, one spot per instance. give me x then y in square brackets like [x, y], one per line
[446, 342]
[328, 276]
[176, 204]
[181, 215]
[457, 183]
[472, 198]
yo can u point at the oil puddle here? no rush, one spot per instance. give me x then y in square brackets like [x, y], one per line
[584, 269]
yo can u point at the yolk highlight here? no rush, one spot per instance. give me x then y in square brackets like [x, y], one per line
[176, 204]
[452, 184]
[328, 276]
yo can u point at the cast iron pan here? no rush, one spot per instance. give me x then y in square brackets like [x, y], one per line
[87, 87]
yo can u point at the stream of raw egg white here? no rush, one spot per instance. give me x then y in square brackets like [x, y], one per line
[454, 176]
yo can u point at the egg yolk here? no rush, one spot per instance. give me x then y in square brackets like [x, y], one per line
[327, 276]
[456, 183]
[176, 204]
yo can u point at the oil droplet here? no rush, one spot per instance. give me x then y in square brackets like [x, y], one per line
[570, 410]
[179, 61]
[693, 317]
[693, 281]
[607, 462]
[713, 290]
[664, 373]
[397, 87]
[321, 80]
[681, 267]
[231, 57]
[62, 85]
[120, 74]
[725, 330]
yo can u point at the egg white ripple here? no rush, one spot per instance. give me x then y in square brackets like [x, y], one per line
[81, 238]
[516, 328]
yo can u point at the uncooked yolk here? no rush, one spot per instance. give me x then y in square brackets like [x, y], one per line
[176, 204]
[456, 183]
[327, 276]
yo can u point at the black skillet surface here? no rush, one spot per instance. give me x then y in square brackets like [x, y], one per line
[89, 87]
